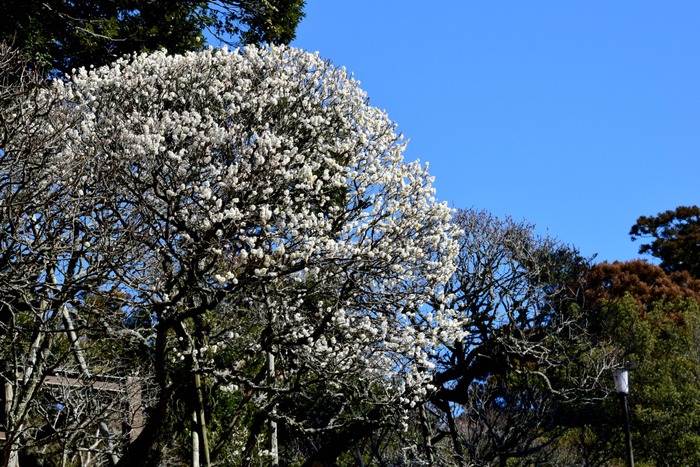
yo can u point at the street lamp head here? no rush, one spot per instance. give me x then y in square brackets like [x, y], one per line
[622, 382]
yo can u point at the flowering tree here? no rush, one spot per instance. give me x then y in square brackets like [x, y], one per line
[246, 219]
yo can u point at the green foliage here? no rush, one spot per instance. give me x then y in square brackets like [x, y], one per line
[653, 318]
[662, 338]
[62, 36]
[676, 238]
[265, 21]
[665, 344]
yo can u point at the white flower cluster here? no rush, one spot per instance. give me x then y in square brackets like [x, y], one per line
[233, 169]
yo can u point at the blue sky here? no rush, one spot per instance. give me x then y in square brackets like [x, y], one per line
[578, 116]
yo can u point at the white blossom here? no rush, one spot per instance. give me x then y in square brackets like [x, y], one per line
[262, 180]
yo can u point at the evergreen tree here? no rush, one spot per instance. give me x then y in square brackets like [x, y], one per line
[674, 238]
[62, 35]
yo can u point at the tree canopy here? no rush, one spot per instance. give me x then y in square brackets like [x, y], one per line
[528, 352]
[654, 319]
[62, 36]
[231, 243]
[674, 238]
[215, 210]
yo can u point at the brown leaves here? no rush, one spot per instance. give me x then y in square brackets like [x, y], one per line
[645, 282]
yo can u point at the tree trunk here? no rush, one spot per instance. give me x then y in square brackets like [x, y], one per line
[201, 423]
[195, 440]
[273, 423]
[9, 395]
[141, 451]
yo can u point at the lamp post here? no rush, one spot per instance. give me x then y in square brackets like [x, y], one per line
[622, 387]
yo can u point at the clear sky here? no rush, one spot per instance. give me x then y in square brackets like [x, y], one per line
[578, 116]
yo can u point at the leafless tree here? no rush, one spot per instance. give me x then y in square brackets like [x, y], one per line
[527, 352]
[56, 275]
